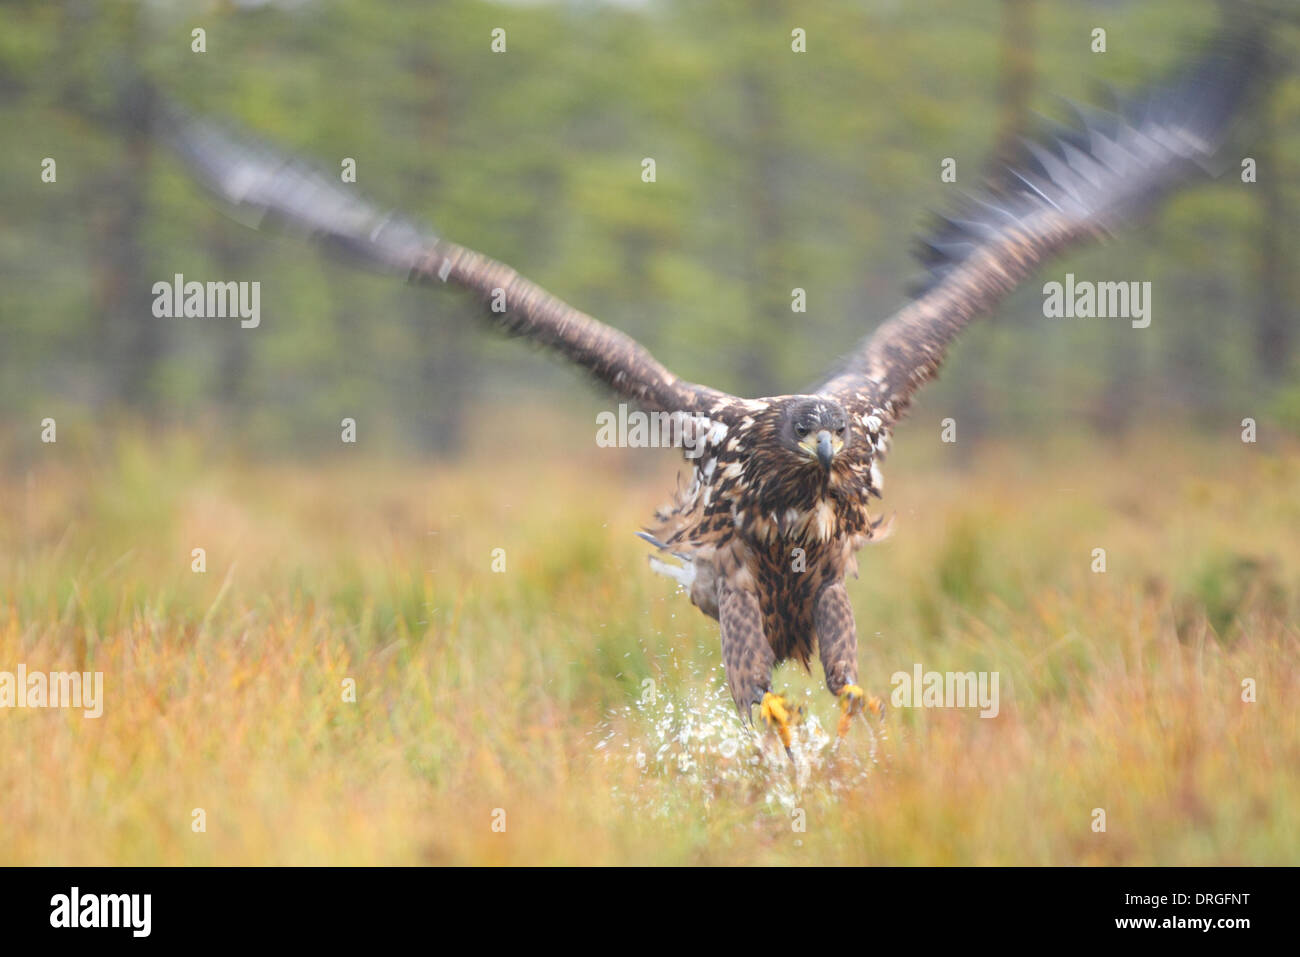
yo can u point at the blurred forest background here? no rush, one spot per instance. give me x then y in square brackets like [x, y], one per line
[775, 170]
[478, 690]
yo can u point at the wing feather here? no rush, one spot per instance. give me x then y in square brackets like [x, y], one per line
[1078, 185]
[264, 187]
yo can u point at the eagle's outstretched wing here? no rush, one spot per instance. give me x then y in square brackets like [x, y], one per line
[263, 186]
[1077, 186]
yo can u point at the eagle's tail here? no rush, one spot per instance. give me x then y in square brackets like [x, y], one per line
[683, 574]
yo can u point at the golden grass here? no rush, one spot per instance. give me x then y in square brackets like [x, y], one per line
[522, 690]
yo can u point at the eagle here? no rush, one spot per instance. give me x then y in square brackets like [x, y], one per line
[782, 489]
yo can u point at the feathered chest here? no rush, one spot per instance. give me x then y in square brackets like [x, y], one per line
[805, 506]
[745, 484]
[767, 498]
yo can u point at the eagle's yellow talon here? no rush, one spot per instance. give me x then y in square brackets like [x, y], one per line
[777, 712]
[876, 707]
[852, 699]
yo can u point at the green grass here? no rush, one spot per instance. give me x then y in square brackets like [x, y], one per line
[525, 690]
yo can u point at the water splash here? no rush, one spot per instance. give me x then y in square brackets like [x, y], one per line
[688, 748]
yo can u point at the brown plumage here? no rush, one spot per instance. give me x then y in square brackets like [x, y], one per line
[765, 532]
[764, 518]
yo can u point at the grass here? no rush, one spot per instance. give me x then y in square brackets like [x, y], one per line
[525, 690]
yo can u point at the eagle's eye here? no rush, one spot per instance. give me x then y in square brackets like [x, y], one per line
[840, 430]
[801, 430]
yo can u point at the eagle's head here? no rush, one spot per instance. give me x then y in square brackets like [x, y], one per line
[813, 428]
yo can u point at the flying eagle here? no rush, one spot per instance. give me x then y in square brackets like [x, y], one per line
[781, 488]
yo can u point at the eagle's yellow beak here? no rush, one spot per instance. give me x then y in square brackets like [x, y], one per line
[824, 446]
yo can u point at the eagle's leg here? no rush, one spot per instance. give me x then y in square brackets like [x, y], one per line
[748, 659]
[837, 644]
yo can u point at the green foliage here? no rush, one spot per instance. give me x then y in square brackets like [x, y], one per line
[776, 170]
